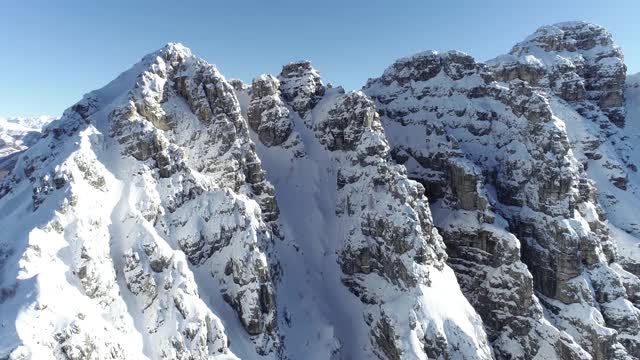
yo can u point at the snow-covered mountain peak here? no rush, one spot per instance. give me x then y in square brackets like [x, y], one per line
[579, 61]
[582, 67]
[171, 52]
[427, 64]
[300, 84]
[568, 45]
[569, 36]
[141, 246]
[17, 134]
[177, 49]
[430, 54]
[425, 53]
[450, 209]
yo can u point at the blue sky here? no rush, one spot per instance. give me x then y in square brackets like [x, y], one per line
[52, 52]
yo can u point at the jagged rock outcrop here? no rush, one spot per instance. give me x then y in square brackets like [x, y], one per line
[498, 168]
[185, 204]
[226, 232]
[404, 251]
[580, 63]
[346, 122]
[449, 210]
[301, 86]
[267, 115]
[386, 254]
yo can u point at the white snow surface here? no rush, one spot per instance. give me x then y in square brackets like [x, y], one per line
[63, 288]
[18, 133]
[325, 320]
[107, 253]
[97, 253]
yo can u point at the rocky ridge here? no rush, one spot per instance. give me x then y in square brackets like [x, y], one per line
[499, 168]
[148, 152]
[380, 262]
[451, 209]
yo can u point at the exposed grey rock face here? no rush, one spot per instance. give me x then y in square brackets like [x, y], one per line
[582, 65]
[267, 114]
[450, 210]
[579, 62]
[347, 121]
[402, 252]
[498, 169]
[194, 209]
[381, 246]
[301, 86]
[215, 236]
[387, 251]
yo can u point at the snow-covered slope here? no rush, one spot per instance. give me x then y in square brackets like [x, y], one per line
[449, 210]
[580, 64]
[110, 223]
[358, 234]
[623, 205]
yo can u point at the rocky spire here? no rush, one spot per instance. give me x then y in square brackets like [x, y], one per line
[267, 114]
[301, 86]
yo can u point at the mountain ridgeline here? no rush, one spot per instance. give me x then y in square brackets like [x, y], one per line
[450, 209]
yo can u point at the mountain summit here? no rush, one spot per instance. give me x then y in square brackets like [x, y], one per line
[449, 210]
